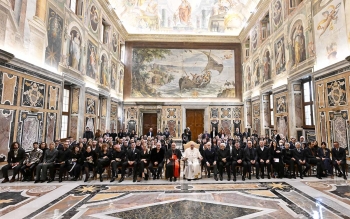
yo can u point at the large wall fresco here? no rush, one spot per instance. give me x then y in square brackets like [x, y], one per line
[184, 16]
[54, 38]
[180, 73]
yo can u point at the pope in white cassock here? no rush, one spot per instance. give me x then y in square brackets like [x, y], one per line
[193, 168]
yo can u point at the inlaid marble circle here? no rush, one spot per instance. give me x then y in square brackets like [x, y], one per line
[42, 189]
[318, 185]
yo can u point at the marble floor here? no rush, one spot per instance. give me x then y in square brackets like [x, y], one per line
[204, 198]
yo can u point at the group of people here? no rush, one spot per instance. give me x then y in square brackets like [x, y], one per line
[276, 154]
[145, 157]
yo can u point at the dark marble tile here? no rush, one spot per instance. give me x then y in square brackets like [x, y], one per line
[10, 198]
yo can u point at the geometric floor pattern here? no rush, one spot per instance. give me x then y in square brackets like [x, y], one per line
[160, 199]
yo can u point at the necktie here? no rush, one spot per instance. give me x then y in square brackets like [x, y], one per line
[299, 150]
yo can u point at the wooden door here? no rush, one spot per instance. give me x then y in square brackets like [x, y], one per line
[149, 121]
[195, 120]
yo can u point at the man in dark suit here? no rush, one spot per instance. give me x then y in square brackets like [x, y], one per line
[117, 157]
[250, 158]
[171, 166]
[114, 134]
[238, 133]
[15, 158]
[58, 145]
[210, 159]
[300, 159]
[224, 161]
[159, 133]
[313, 158]
[132, 160]
[106, 134]
[166, 133]
[292, 143]
[276, 136]
[157, 159]
[237, 160]
[339, 159]
[264, 158]
[120, 134]
[213, 133]
[88, 134]
[150, 133]
[288, 159]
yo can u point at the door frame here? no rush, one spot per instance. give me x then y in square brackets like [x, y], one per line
[159, 117]
[194, 107]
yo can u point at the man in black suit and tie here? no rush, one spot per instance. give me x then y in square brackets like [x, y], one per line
[117, 157]
[250, 158]
[224, 161]
[300, 159]
[263, 159]
[238, 133]
[213, 133]
[313, 158]
[237, 160]
[210, 159]
[132, 160]
[150, 133]
[166, 133]
[339, 159]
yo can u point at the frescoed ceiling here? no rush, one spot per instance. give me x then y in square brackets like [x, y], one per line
[190, 17]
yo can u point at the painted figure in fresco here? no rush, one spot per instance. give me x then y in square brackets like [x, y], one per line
[222, 7]
[54, 38]
[332, 51]
[299, 45]
[104, 71]
[256, 73]
[121, 80]
[185, 12]
[330, 16]
[115, 42]
[280, 60]
[267, 69]
[249, 78]
[93, 18]
[91, 61]
[74, 49]
[277, 13]
[113, 76]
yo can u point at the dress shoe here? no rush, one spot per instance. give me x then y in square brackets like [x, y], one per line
[318, 177]
[243, 178]
[221, 178]
[175, 179]
[50, 180]
[121, 179]
[188, 179]
[12, 179]
[345, 177]
[340, 174]
[101, 179]
[234, 179]
[301, 176]
[268, 176]
[112, 180]
[171, 179]
[249, 177]
[36, 181]
[42, 181]
[216, 178]
[5, 180]
[60, 180]
[229, 179]
[158, 176]
[262, 177]
[134, 180]
[257, 177]
[154, 177]
[146, 176]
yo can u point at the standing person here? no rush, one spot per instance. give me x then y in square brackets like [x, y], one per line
[31, 162]
[339, 159]
[166, 133]
[173, 157]
[184, 137]
[15, 158]
[157, 160]
[150, 133]
[189, 134]
[88, 134]
[213, 133]
[47, 163]
[193, 158]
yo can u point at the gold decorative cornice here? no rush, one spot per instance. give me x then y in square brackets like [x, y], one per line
[262, 8]
[182, 38]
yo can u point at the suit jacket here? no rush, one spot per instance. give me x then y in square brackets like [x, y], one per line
[19, 158]
[250, 154]
[63, 155]
[287, 154]
[115, 154]
[310, 153]
[210, 156]
[299, 155]
[213, 135]
[223, 154]
[339, 155]
[263, 154]
[237, 154]
[205, 135]
[230, 151]
[133, 155]
[166, 134]
[157, 157]
[321, 154]
[150, 134]
[88, 135]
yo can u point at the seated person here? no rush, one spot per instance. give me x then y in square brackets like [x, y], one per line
[117, 157]
[288, 159]
[313, 158]
[173, 157]
[75, 163]
[15, 158]
[250, 158]
[263, 158]
[157, 159]
[29, 164]
[210, 159]
[325, 154]
[89, 159]
[193, 158]
[62, 160]
[276, 159]
[145, 157]
[224, 161]
[48, 163]
[132, 160]
[339, 159]
[237, 160]
[300, 159]
[103, 160]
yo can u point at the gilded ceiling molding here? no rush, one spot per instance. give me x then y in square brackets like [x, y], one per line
[262, 8]
[182, 38]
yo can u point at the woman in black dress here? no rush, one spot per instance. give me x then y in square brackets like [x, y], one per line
[89, 158]
[276, 154]
[75, 163]
[103, 160]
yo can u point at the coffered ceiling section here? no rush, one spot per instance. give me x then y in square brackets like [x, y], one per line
[192, 17]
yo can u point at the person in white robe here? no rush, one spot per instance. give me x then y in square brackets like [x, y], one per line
[193, 158]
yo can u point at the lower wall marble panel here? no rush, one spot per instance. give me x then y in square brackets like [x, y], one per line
[7, 118]
[30, 129]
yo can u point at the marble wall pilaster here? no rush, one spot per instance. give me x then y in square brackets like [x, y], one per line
[265, 115]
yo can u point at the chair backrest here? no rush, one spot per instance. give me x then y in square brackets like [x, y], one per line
[188, 144]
